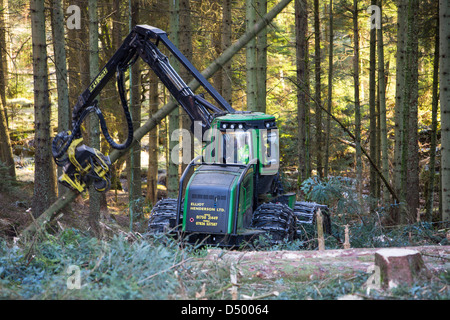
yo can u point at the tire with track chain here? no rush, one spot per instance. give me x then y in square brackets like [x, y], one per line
[277, 219]
[305, 212]
[161, 214]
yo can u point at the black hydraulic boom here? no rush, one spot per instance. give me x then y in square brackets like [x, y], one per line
[142, 42]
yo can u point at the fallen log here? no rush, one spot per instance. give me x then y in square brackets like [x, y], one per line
[226, 56]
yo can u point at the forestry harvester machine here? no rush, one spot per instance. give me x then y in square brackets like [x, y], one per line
[229, 194]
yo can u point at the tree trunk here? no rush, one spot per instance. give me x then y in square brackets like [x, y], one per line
[250, 54]
[444, 81]
[172, 168]
[152, 174]
[185, 41]
[318, 89]
[400, 84]
[70, 195]
[226, 43]
[261, 60]
[330, 93]
[372, 112]
[301, 28]
[434, 111]
[59, 48]
[135, 191]
[44, 191]
[94, 129]
[412, 81]
[382, 98]
[359, 182]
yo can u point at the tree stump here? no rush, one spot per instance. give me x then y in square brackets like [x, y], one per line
[399, 267]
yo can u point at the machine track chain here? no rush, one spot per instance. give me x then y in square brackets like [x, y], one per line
[161, 214]
[277, 219]
[305, 212]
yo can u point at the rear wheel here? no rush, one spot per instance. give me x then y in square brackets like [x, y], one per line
[277, 219]
[161, 214]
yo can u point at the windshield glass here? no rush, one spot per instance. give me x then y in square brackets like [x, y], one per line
[237, 147]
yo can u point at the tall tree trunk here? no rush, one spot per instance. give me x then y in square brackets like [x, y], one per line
[382, 110]
[261, 60]
[372, 111]
[301, 29]
[135, 191]
[185, 46]
[330, 93]
[434, 122]
[412, 83]
[44, 191]
[250, 54]
[152, 174]
[59, 49]
[444, 81]
[399, 91]
[359, 182]
[172, 168]
[6, 154]
[226, 43]
[94, 129]
[318, 89]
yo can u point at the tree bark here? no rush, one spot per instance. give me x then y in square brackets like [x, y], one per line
[301, 29]
[400, 84]
[372, 111]
[382, 117]
[444, 84]
[226, 42]
[318, 89]
[172, 168]
[250, 57]
[330, 93]
[59, 48]
[434, 122]
[44, 191]
[359, 182]
[261, 60]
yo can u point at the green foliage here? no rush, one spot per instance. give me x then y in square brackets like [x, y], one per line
[116, 269]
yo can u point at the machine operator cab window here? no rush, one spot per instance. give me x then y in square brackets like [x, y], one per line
[241, 146]
[237, 146]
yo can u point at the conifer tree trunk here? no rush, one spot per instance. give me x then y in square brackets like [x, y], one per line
[59, 48]
[399, 91]
[318, 89]
[172, 168]
[250, 54]
[330, 93]
[434, 122]
[301, 29]
[372, 110]
[226, 43]
[261, 60]
[382, 110]
[94, 129]
[44, 191]
[412, 85]
[135, 184]
[359, 182]
[444, 81]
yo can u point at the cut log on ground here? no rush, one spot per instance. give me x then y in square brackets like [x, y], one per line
[400, 267]
[315, 265]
